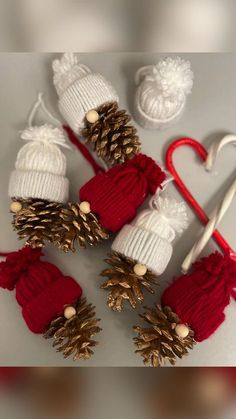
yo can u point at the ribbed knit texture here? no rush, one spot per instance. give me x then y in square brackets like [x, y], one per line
[41, 289]
[79, 90]
[200, 298]
[39, 185]
[40, 166]
[148, 239]
[116, 195]
[161, 95]
[144, 247]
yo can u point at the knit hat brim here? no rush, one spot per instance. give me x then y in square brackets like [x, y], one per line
[143, 247]
[40, 185]
[83, 95]
[49, 304]
[146, 121]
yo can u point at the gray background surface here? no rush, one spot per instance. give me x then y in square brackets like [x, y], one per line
[209, 115]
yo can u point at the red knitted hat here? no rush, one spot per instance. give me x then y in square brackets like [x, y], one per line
[116, 195]
[199, 298]
[41, 289]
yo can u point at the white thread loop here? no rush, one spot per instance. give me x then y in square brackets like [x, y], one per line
[40, 103]
[215, 219]
[215, 149]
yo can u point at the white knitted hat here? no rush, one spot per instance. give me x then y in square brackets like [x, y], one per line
[79, 90]
[40, 166]
[162, 91]
[148, 239]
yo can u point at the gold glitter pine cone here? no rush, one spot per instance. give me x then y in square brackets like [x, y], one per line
[35, 219]
[112, 136]
[159, 342]
[64, 225]
[76, 227]
[73, 337]
[123, 283]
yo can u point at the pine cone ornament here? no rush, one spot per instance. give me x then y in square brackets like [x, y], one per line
[112, 136]
[142, 251]
[165, 339]
[64, 225]
[50, 302]
[35, 220]
[126, 281]
[38, 185]
[72, 332]
[77, 226]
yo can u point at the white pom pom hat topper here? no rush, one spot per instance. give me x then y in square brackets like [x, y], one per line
[162, 92]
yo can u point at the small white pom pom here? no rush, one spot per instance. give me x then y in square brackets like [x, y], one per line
[65, 63]
[47, 134]
[173, 212]
[174, 77]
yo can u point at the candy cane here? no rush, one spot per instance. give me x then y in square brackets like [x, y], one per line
[219, 211]
[217, 216]
[216, 148]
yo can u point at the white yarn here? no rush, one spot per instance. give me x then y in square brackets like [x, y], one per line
[46, 134]
[79, 90]
[161, 96]
[148, 239]
[67, 70]
[166, 217]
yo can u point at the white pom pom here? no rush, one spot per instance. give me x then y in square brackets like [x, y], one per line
[66, 71]
[173, 212]
[47, 134]
[174, 77]
[166, 217]
[65, 64]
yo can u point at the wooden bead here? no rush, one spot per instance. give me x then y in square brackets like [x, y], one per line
[85, 207]
[182, 330]
[15, 206]
[140, 269]
[92, 116]
[69, 312]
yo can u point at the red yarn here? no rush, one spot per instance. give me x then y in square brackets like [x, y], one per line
[199, 298]
[41, 289]
[83, 150]
[15, 265]
[116, 195]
